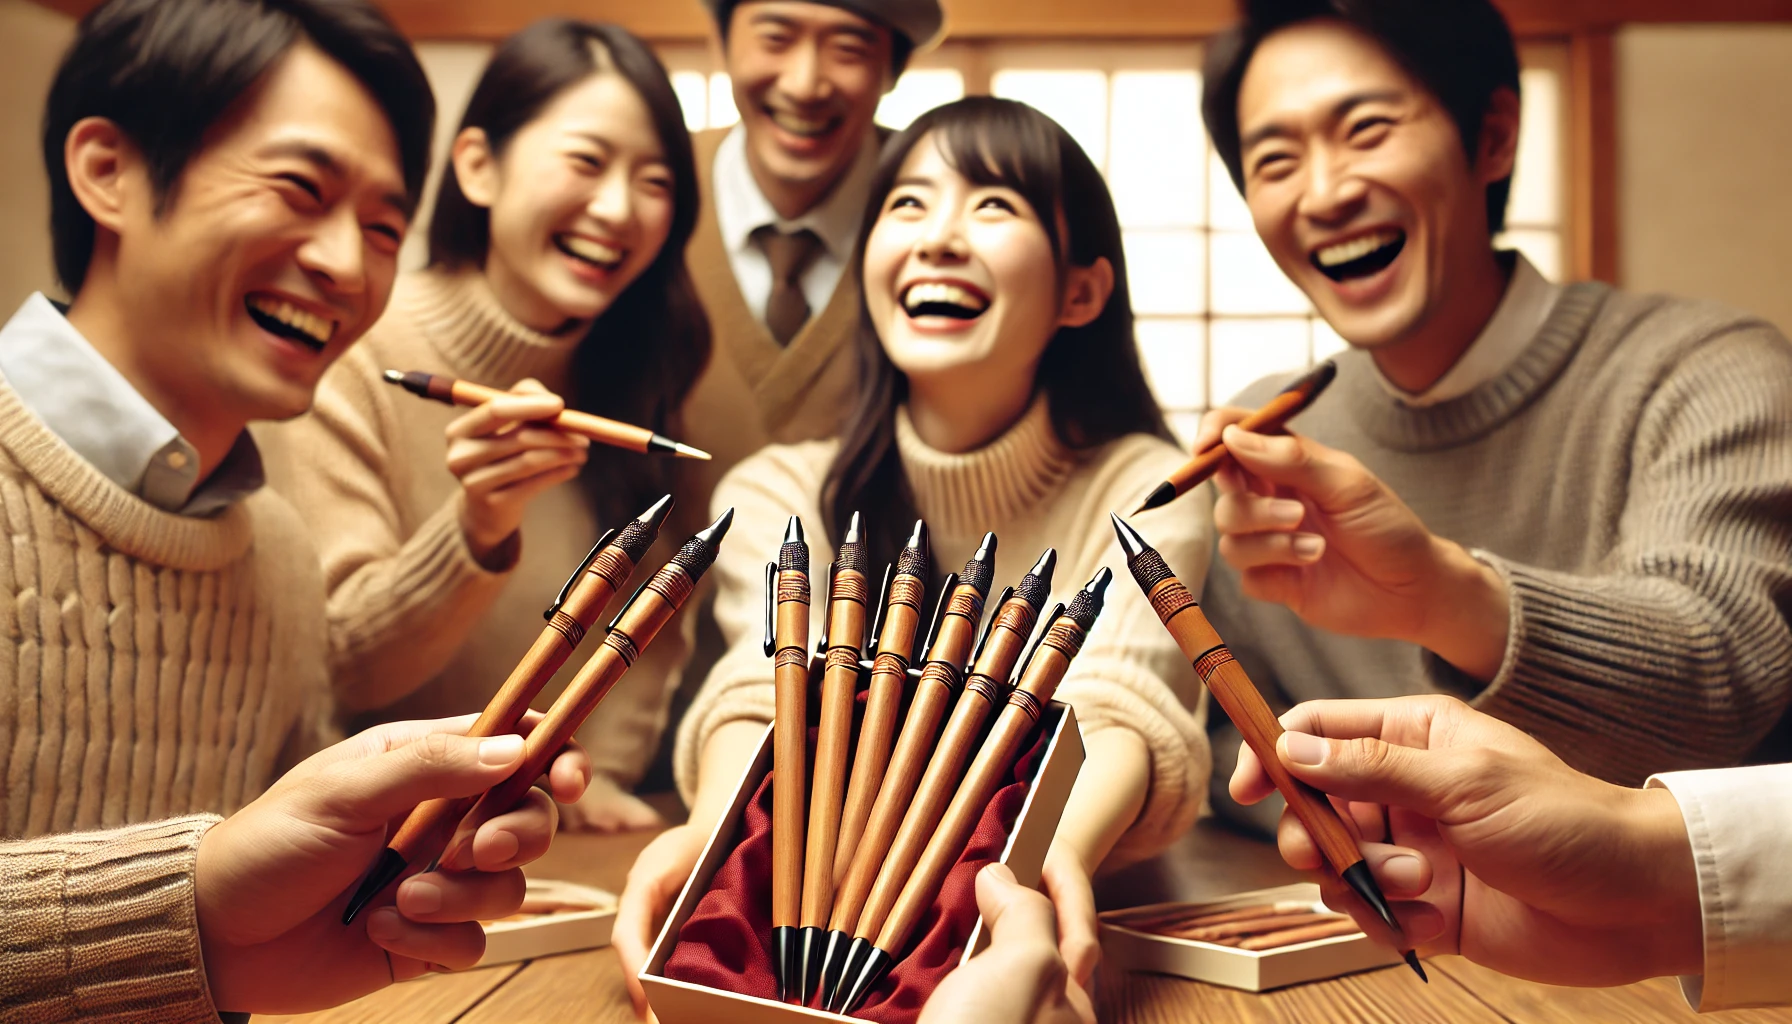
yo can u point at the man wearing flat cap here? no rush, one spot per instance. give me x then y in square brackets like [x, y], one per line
[783, 195]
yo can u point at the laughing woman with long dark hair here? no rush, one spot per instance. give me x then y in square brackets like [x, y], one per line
[1000, 389]
[556, 268]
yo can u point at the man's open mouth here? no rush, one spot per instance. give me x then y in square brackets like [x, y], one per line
[1359, 256]
[942, 298]
[801, 126]
[283, 319]
[585, 250]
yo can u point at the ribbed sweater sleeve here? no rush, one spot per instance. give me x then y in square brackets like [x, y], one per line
[101, 926]
[1679, 650]
[402, 600]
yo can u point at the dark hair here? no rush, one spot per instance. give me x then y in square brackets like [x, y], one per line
[1460, 50]
[642, 356]
[901, 46]
[165, 71]
[1091, 375]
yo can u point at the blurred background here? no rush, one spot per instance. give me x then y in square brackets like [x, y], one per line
[1656, 150]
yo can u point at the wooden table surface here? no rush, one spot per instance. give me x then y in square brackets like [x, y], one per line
[1209, 862]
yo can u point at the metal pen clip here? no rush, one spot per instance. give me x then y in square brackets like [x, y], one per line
[630, 603]
[827, 610]
[877, 620]
[939, 615]
[990, 626]
[566, 591]
[1045, 626]
[771, 603]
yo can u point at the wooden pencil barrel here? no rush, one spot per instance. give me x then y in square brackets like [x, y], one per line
[790, 675]
[846, 636]
[939, 684]
[1271, 414]
[1039, 681]
[599, 428]
[1233, 690]
[889, 670]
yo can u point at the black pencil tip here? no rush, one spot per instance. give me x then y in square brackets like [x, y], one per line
[394, 377]
[1131, 541]
[876, 966]
[784, 958]
[985, 550]
[656, 513]
[1046, 566]
[852, 531]
[1160, 496]
[917, 539]
[1359, 879]
[833, 963]
[714, 532]
[856, 956]
[793, 531]
[809, 964]
[388, 867]
[1412, 961]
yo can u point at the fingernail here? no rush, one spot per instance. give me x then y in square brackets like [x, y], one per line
[1308, 546]
[384, 925]
[1304, 748]
[1001, 873]
[502, 847]
[1286, 511]
[497, 750]
[1402, 873]
[420, 896]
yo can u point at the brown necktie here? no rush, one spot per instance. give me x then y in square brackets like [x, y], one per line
[786, 309]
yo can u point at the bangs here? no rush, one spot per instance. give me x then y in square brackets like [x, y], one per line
[996, 142]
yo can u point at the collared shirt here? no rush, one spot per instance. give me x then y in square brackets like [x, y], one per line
[87, 403]
[741, 208]
[1515, 321]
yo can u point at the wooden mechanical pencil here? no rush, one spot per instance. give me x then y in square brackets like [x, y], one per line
[844, 641]
[581, 601]
[614, 433]
[1052, 654]
[900, 619]
[942, 674]
[648, 610]
[985, 689]
[1272, 416]
[1245, 706]
[787, 644]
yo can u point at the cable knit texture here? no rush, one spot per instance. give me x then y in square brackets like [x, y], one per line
[100, 926]
[1630, 477]
[1034, 493]
[150, 663]
[418, 628]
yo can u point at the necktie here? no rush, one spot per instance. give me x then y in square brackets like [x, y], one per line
[786, 309]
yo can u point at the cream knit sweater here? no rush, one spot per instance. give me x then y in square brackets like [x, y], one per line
[151, 664]
[418, 628]
[1034, 493]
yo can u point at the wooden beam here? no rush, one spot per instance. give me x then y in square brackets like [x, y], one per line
[686, 20]
[1593, 157]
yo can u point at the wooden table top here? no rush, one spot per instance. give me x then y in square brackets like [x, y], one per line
[1209, 862]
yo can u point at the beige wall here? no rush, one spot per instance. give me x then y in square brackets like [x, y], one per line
[1705, 163]
[32, 39]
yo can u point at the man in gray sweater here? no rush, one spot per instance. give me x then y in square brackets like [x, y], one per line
[1572, 506]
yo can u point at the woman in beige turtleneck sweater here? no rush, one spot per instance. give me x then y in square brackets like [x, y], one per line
[556, 264]
[1000, 390]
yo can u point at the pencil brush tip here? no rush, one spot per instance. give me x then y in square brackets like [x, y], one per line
[987, 549]
[1131, 541]
[793, 530]
[876, 966]
[656, 513]
[1412, 961]
[1160, 496]
[393, 377]
[685, 451]
[853, 535]
[714, 533]
[390, 865]
[917, 538]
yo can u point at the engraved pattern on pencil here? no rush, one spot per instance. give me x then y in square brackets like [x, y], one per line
[1016, 617]
[889, 662]
[623, 645]
[1210, 662]
[612, 567]
[1065, 637]
[789, 656]
[673, 585]
[793, 586]
[967, 603]
[906, 590]
[567, 627]
[943, 672]
[985, 687]
[1170, 599]
[1027, 704]
[851, 586]
[843, 656]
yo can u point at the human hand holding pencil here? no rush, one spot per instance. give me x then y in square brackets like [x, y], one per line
[1494, 848]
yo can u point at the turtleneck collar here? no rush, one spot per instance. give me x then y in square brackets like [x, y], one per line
[480, 340]
[983, 489]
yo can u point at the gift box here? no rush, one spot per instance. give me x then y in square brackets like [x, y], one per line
[712, 960]
[1251, 970]
[556, 917]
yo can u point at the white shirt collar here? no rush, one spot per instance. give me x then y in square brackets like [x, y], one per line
[1521, 311]
[741, 208]
[93, 409]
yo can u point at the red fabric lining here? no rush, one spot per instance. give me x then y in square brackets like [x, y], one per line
[726, 942]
